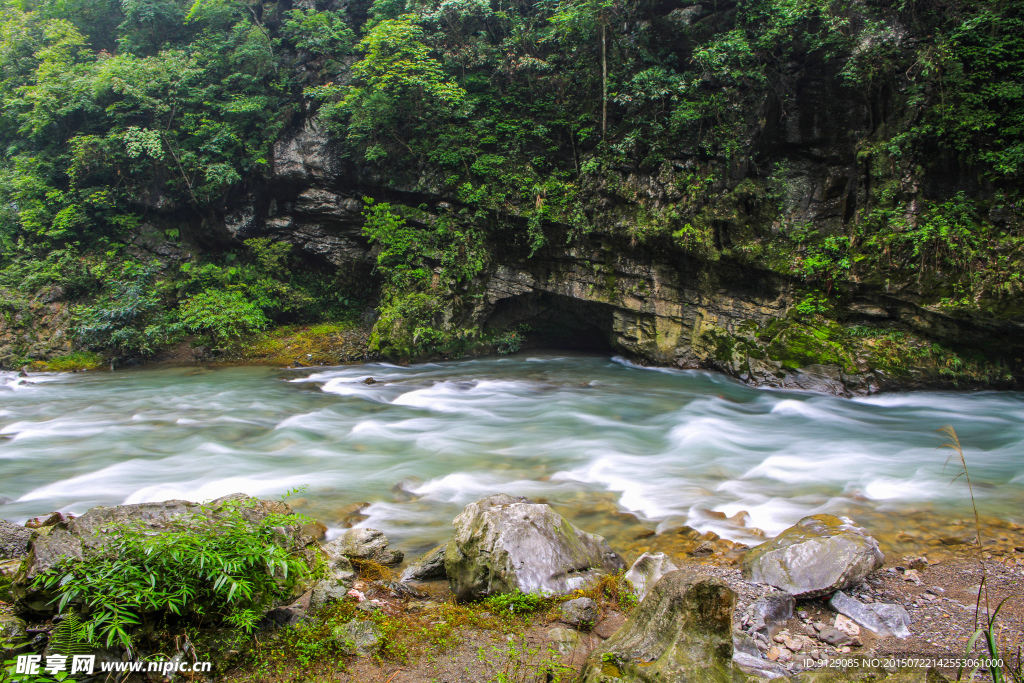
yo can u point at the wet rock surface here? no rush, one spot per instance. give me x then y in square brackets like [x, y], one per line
[818, 555]
[504, 544]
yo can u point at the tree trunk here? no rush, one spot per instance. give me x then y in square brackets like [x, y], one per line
[604, 80]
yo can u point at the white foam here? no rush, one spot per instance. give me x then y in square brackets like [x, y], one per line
[204, 489]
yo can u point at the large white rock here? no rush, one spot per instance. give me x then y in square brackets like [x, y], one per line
[817, 556]
[504, 544]
[646, 572]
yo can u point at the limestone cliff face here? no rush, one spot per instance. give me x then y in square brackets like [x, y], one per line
[658, 305]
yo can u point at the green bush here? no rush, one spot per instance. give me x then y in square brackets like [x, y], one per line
[209, 567]
[222, 314]
[514, 603]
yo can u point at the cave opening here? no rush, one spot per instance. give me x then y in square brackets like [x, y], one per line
[555, 321]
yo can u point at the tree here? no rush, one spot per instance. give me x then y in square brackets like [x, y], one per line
[588, 20]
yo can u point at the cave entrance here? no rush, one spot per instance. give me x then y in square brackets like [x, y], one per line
[556, 322]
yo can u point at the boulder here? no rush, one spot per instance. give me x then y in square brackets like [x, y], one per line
[817, 556]
[884, 619]
[646, 571]
[580, 612]
[430, 567]
[13, 540]
[327, 591]
[682, 631]
[504, 544]
[339, 567]
[364, 544]
[357, 637]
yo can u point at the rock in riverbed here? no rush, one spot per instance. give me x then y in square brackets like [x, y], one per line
[818, 555]
[504, 544]
[682, 631]
[647, 571]
[884, 619]
[13, 540]
[364, 544]
[428, 567]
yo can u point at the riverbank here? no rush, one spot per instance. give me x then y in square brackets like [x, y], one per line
[382, 630]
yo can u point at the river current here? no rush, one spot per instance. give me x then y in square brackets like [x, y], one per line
[591, 435]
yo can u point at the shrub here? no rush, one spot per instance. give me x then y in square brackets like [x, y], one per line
[204, 568]
[223, 314]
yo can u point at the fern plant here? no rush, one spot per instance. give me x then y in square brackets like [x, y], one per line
[210, 567]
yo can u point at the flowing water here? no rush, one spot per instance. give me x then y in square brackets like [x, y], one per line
[594, 436]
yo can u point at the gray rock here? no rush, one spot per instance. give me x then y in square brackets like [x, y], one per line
[580, 612]
[327, 591]
[430, 567]
[364, 544]
[833, 636]
[770, 610]
[818, 555]
[646, 572]
[565, 640]
[504, 544]
[13, 540]
[884, 619]
[339, 566]
[307, 154]
[13, 636]
[754, 665]
[682, 631]
[357, 638]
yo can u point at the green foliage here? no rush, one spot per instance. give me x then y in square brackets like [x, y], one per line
[209, 567]
[129, 317]
[223, 314]
[70, 636]
[322, 33]
[8, 674]
[422, 266]
[516, 603]
[77, 360]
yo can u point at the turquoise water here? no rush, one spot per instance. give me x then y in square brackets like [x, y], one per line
[667, 446]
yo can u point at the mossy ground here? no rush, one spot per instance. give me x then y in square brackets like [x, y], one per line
[72, 362]
[328, 343]
[493, 640]
[896, 355]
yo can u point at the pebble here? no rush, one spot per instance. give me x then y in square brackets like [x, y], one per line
[847, 625]
[772, 654]
[792, 644]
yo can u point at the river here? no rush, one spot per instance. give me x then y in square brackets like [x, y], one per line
[594, 436]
